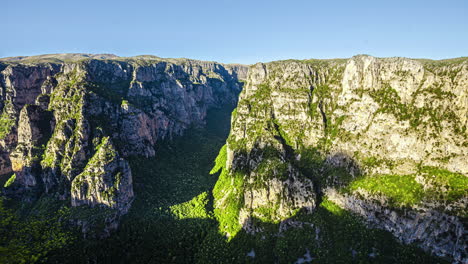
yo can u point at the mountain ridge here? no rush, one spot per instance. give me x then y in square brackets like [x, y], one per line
[63, 57]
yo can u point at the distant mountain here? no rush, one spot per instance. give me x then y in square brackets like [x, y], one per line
[63, 57]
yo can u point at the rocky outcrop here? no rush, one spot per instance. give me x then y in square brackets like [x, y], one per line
[347, 125]
[34, 129]
[442, 234]
[69, 121]
[106, 180]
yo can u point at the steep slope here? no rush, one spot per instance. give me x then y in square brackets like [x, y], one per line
[383, 138]
[70, 121]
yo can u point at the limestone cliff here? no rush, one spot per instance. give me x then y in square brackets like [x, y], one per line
[69, 121]
[384, 138]
[105, 180]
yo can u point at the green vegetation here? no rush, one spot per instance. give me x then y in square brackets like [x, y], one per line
[445, 185]
[268, 213]
[400, 189]
[95, 218]
[10, 181]
[47, 159]
[228, 203]
[104, 150]
[426, 116]
[31, 233]
[447, 67]
[390, 102]
[7, 121]
[195, 208]
[220, 161]
[67, 98]
[371, 162]
[403, 190]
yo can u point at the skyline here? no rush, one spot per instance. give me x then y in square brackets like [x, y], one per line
[237, 31]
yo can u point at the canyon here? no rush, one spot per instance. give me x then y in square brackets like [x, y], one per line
[379, 142]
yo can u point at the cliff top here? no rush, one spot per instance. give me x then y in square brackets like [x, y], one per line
[344, 60]
[75, 57]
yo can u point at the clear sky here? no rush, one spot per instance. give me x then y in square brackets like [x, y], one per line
[236, 31]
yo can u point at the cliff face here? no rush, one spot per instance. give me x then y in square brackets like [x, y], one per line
[68, 123]
[384, 138]
[107, 179]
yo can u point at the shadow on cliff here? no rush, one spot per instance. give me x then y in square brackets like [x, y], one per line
[180, 169]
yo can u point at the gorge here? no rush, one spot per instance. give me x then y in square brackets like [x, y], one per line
[148, 160]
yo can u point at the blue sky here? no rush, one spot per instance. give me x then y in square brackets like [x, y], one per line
[236, 31]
